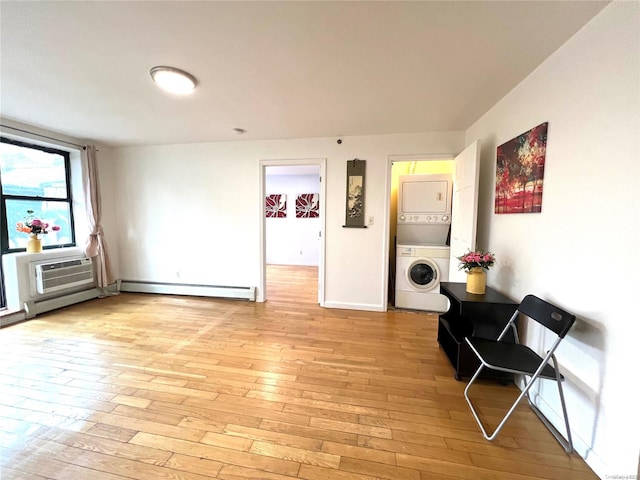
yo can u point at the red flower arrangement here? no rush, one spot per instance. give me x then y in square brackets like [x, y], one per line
[476, 259]
[34, 226]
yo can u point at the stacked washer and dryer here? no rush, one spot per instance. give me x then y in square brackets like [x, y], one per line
[422, 260]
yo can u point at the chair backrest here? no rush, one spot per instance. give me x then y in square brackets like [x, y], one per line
[552, 317]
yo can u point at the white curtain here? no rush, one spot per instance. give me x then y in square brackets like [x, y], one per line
[96, 247]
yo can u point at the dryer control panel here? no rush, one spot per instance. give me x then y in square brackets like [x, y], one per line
[409, 219]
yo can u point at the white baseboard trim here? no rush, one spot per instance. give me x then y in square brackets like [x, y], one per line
[134, 286]
[354, 306]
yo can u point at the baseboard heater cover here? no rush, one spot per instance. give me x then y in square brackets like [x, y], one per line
[34, 307]
[246, 293]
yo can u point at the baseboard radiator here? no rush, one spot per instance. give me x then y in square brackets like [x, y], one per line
[35, 307]
[244, 293]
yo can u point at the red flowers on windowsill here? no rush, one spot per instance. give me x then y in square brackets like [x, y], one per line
[34, 226]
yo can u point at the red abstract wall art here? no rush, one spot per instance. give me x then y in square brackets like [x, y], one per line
[307, 205]
[275, 206]
[520, 172]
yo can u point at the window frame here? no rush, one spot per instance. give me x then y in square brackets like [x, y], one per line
[4, 238]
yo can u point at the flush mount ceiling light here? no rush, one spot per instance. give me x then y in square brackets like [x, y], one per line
[173, 80]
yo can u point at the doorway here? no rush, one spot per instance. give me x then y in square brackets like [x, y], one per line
[408, 165]
[292, 227]
[466, 166]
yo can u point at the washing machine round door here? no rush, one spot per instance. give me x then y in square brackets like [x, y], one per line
[423, 274]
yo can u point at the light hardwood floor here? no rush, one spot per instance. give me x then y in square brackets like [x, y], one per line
[168, 387]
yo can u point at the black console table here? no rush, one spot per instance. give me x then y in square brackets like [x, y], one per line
[472, 315]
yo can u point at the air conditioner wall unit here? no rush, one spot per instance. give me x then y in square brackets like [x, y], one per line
[64, 275]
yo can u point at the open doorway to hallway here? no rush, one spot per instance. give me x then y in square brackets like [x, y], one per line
[292, 284]
[293, 224]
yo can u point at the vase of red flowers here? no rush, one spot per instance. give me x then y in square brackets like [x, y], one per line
[475, 263]
[35, 227]
[34, 244]
[476, 281]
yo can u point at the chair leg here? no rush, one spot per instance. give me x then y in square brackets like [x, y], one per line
[473, 410]
[568, 443]
[524, 393]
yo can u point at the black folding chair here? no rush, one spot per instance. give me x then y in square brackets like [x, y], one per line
[517, 358]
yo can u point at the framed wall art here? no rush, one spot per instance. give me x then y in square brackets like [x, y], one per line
[308, 205]
[520, 172]
[275, 206]
[354, 215]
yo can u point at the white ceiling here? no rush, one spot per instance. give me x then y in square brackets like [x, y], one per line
[276, 69]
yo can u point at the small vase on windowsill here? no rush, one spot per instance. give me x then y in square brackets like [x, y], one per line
[34, 244]
[476, 281]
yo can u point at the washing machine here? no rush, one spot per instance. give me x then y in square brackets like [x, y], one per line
[419, 271]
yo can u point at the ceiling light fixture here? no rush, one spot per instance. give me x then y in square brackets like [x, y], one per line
[173, 80]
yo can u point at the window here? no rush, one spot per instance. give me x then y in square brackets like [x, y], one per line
[37, 179]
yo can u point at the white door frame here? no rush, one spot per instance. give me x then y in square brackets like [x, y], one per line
[322, 163]
[391, 159]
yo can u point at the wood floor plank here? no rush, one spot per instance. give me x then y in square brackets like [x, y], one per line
[322, 404]
[140, 425]
[102, 445]
[390, 472]
[9, 473]
[247, 410]
[224, 455]
[227, 441]
[402, 446]
[200, 466]
[34, 463]
[234, 472]
[197, 415]
[310, 432]
[364, 453]
[298, 455]
[113, 432]
[153, 387]
[474, 472]
[370, 430]
[428, 433]
[312, 472]
[379, 404]
[279, 438]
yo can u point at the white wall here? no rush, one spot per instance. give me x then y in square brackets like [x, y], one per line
[581, 251]
[291, 240]
[196, 210]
